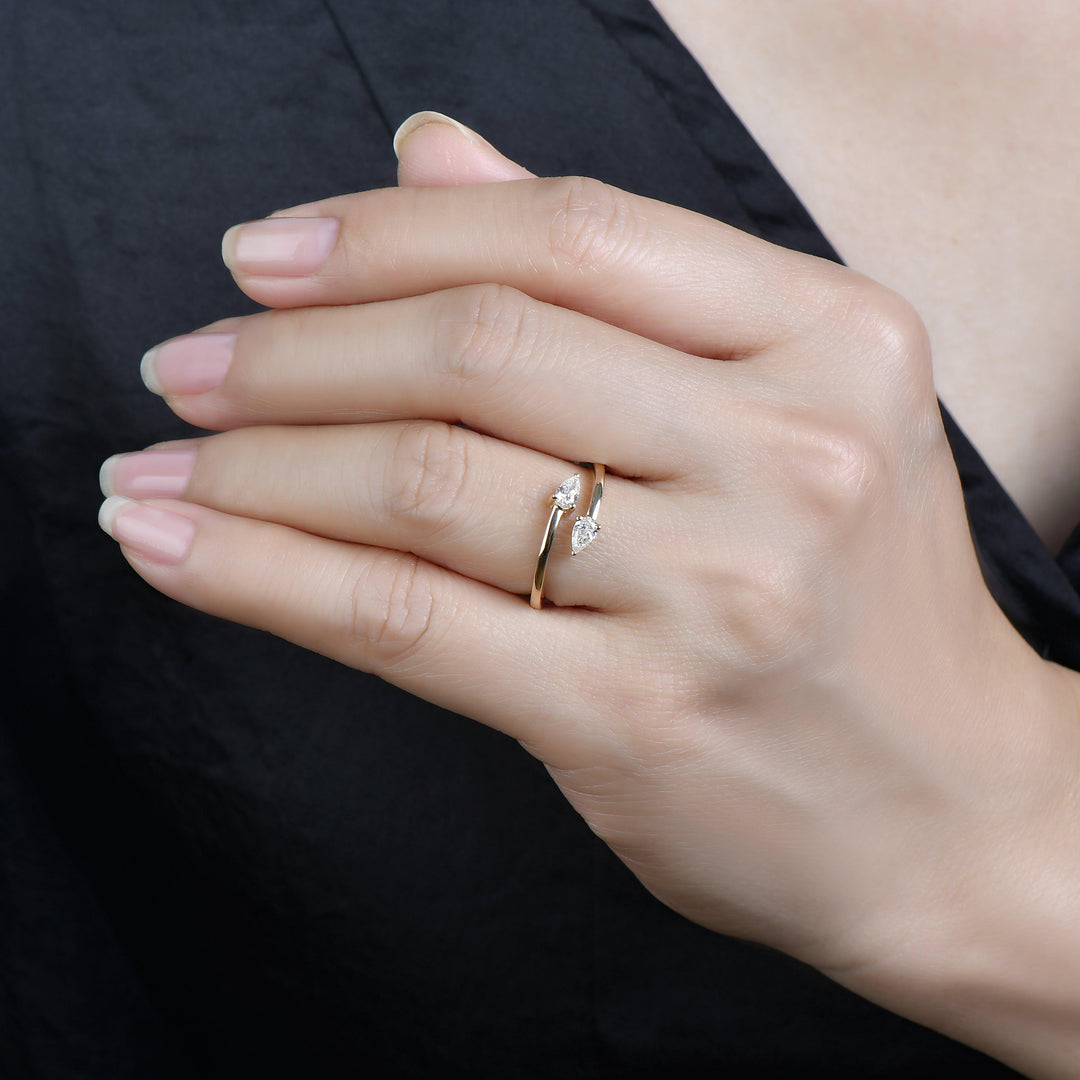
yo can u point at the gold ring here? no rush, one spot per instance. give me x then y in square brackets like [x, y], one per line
[563, 500]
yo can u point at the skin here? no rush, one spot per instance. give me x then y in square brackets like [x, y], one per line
[792, 707]
[937, 146]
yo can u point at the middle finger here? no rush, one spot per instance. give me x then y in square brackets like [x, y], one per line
[486, 356]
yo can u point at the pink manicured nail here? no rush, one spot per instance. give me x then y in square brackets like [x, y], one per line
[147, 473]
[188, 365]
[157, 534]
[279, 247]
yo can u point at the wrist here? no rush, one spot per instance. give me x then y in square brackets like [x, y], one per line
[993, 960]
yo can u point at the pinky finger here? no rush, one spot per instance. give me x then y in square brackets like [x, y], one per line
[461, 644]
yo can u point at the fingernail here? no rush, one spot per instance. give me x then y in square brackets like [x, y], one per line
[147, 473]
[157, 534]
[188, 365]
[279, 247]
[448, 152]
[419, 119]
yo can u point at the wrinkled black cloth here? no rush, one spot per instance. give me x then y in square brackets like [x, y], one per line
[221, 855]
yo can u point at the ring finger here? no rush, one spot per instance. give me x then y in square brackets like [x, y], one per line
[454, 497]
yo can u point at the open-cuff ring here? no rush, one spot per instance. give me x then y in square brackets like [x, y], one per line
[563, 500]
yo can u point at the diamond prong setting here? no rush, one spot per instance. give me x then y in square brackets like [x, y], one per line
[568, 492]
[583, 534]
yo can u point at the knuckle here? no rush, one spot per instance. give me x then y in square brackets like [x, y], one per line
[830, 471]
[768, 616]
[888, 337]
[893, 327]
[592, 225]
[837, 469]
[391, 607]
[483, 332]
[426, 474]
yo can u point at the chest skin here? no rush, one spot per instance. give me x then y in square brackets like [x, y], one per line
[938, 148]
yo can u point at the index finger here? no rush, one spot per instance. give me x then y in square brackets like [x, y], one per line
[658, 270]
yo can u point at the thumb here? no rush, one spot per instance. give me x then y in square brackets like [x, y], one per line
[434, 150]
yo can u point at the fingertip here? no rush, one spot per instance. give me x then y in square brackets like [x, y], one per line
[110, 508]
[105, 476]
[435, 150]
[228, 247]
[148, 374]
[429, 116]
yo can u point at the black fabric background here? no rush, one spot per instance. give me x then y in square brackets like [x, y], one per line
[221, 856]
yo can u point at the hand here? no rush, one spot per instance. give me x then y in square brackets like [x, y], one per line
[775, 683]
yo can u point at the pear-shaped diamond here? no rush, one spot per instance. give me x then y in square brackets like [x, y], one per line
[583, 534]
[568, 492]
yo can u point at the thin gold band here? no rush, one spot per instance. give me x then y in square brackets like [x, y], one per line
[537, 596]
